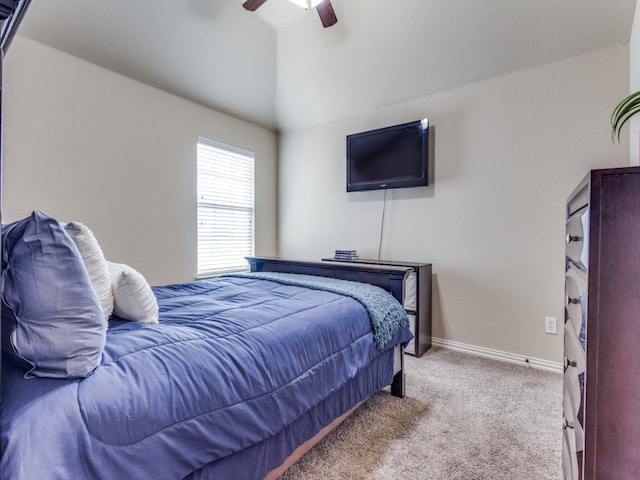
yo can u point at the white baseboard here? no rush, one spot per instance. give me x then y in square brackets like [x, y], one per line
[498, 355]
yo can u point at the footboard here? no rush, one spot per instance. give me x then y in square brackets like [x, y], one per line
[389, 278]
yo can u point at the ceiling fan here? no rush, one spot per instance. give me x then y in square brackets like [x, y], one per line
[323, 7]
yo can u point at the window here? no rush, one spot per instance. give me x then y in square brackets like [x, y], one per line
[225, 208]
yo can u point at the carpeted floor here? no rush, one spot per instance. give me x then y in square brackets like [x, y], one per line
[464, 417]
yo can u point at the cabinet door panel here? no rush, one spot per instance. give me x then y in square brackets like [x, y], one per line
[613, 334]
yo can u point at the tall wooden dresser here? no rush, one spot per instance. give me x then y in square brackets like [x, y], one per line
[601, 404]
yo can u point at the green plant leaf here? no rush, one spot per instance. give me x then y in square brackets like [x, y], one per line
[627, 108]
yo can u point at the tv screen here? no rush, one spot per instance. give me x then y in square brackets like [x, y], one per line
[390, 157]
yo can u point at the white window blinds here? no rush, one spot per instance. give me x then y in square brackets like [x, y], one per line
[225, 208]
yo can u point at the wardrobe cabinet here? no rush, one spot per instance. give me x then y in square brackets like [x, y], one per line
[601, 397]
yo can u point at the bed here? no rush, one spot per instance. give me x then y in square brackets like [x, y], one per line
[103, 376]
[229, 379]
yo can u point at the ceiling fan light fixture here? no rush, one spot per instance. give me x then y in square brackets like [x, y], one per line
[306, 4]
[323, 7]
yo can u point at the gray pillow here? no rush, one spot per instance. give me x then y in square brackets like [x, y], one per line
[95, 262]
[52, 320]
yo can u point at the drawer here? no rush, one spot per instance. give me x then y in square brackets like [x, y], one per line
[574, 353]
[572, 394]
[413, 343]
[579, 200]
[575, 282]
[410, 292]
[577, 239]
[571, 400]
[569, 455]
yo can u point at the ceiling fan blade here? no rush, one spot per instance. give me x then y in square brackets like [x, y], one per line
[327, 14]
[253, 5]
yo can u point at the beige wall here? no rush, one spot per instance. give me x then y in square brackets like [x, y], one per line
[508, 152]
[83, 143]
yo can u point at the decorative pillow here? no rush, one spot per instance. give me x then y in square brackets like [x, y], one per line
[95, 262]
[133, 298]
[52, 322]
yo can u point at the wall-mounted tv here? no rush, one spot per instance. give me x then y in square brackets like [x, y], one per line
[390, 157]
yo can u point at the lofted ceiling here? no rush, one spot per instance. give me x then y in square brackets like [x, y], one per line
[279, 68]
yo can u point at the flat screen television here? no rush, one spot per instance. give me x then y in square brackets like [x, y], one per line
[390, 157]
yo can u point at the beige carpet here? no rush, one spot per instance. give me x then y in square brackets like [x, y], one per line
[464, 417]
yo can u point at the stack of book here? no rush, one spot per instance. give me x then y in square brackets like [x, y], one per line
[346, 255]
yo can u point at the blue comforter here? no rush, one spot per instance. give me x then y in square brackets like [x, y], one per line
[232, 362]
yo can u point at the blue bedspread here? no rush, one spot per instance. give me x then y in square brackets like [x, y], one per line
[386, 314]
[233, 362]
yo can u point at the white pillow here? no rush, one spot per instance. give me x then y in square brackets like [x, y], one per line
[133, 298]
[95, 262]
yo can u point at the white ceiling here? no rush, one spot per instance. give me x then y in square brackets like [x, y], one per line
[279, 68]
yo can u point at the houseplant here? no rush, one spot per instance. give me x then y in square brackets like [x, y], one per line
[626, 109]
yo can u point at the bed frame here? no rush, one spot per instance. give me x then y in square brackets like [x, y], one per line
[389, 278]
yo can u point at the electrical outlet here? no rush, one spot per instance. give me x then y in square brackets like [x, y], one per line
[550, 325]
